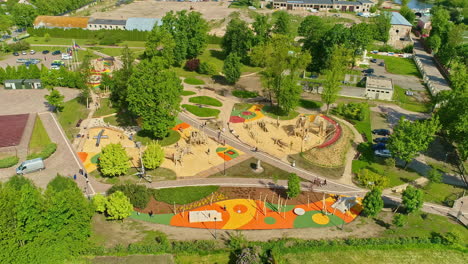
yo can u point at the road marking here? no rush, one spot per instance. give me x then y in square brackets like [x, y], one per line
[68, 145]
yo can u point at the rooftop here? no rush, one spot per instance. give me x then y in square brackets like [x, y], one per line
[398, 19]
[142, 24]
[107, 22]
[379, 83]
[61, 21]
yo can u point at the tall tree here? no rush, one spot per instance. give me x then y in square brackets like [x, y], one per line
[238, 38]
[372, 203]
[412, 199]
[231, 68]
[113, 160]
[55, 99]
[118, 206]
[160, 43]
[294, 185]
[262, 28]
[407, 13]
[334, 74]
[154, 94]
[410, 138]
[153, 156]
[459, 77]
[5, 24]
[118, 84]
[382, 24]
[361, 35]
[23, 15]
[282, 24]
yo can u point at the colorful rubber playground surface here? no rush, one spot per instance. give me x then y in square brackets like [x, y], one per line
[248, 214]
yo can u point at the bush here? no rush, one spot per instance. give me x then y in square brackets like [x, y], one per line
[139, 195]
[434, 176]
[294, 185]
[244, 94]
[108, 38]
[399, 220]
[408, 49]
[8, 162]
[45, 153]
[192, 64]
[354, 111]
[19, 46]
[207, 68]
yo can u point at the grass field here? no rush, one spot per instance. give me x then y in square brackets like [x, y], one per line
[187, 93]
[395, 175]
[201, 111]
[183, 195]
[81, 42]
[105, 108]
[442, 193]
[39, 137]
[205, 100]
[171, 138]
[396, 65]
[309, 104]
[72, 112]
[275, 112]
[245, 170]
[117, 51]
[193, 81]
[408, 102]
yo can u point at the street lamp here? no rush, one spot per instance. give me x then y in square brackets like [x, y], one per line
[215, 228]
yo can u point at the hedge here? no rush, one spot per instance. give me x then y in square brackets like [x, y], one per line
[45, 153]
[79, 33]
[139, 195]
[8, 162]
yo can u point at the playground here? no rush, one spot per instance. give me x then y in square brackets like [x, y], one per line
[281, 138]
[265, 209]
[101, 66]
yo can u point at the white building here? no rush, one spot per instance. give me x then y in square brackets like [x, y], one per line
[379, 88]
[96, 24]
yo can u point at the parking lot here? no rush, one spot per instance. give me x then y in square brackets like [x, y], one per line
[405, 81]
[46, 59]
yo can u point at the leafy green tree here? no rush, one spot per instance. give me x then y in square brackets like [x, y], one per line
[399, 220]
[412, 199]
[410, 138]
[55, 99]
[207, 68]
[361, 35]
[139, 195]
[154, 94]
[372, 203]
[118, 84]
[313, 28]
[153, 156]
[113, 160]
[334, 74]
[294, 185]
[434, 176]
[282, 24]
[382, 25]
[161, 44]
[260, 54]
[440, 20]
[5, 24]
[434, 42]
[232, 68]
[238, 38]
[459, 77]
[407, 13]
[289, 95]
[46, 37]
[23, 15]
[262, 28]
[118, 206]
[99, 202]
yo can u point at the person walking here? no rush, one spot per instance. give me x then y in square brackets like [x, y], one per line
[74, 177]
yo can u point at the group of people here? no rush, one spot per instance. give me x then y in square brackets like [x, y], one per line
[319, 182]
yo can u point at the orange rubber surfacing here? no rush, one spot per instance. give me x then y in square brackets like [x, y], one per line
[245, 214]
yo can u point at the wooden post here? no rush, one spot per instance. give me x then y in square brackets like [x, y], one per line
[211, 200]
[175, 211]
[308, 202]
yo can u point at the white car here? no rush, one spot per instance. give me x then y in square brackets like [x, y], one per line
[32, 52]
[24, 52]
[65, 56]
[384, 153]
[55, 67]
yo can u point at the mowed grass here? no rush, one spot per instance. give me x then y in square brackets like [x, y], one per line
[72, 112]
[171, 138]
[193, 81]
[376, 256]
[81, 42]
[223, 257]
[205, 100]
[105, 108]
[442, 193]
[309, 104]
[409, 102]
[187, 93]
[183, 195]
[276, 113]
[201, 111]
[39, 137]
[397, 65]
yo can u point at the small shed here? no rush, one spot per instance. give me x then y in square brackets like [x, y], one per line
[379, 88]
[23, 84]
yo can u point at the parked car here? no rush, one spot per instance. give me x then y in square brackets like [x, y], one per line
[382, 64]
[55, 67]
[66, 56]
[409, 93]
[57, 52]
[24, 52]
[30, 166]
[369, 71]
[45, 52]
[384, 153]
[374, 60]
[381, 140]
[15, 53]
[381, 132]
[32, 52]
[378, 146]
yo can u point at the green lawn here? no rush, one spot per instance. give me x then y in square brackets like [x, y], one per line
[201, 111]
[72, 112]
[205, 100]
[194, 81]
[442, 193]
[187, 93]
[396, 255]
[309, 104]
[116, 51]
[245, 170]
[81, 42]
[396, 176]
[105, 108]
[274, 112]
[244, 94]
[408, 102]
[39, 137]
[170, 139]
[183, 195]
[396, 65]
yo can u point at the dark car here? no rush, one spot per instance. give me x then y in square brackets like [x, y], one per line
[382, 64]
[57, 52]
[15, 54]
[369, 71]
[378, 146]
[381, 132]
[381, 140]
[374, 60]
[45, 52]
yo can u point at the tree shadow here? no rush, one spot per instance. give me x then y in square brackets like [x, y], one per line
[219, 79]
[218, 54]
[382, 223]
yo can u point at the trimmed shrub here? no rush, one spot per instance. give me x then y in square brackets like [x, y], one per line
[8, 162]
[192, 65]
[354, 111]
[45, 153]
[139, 195]
[207, 68]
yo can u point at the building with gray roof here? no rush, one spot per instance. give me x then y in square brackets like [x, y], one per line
[96, 24]
[400, 31]
[142, 24]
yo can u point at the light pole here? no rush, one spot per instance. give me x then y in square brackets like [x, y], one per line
[215, 228]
